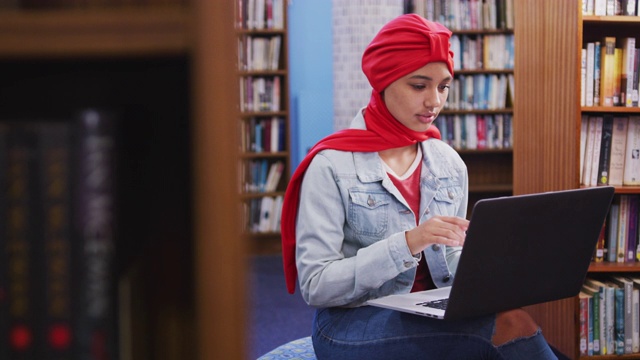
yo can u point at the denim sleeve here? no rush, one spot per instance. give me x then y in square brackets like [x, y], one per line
[453, 253]
[330, 272]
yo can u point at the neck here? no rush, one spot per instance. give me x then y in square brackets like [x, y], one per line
[399, 159]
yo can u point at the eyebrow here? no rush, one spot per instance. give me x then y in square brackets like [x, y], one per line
[423, 77]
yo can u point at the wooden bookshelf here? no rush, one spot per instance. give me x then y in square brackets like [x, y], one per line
[550, 35]
[176, 66]
[262, 240]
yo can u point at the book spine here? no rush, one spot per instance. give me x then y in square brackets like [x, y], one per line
[618, 145]
[607, 71]
[605, 150]
[54, 172]
[597, 73]
[21, 246]
[632, 153]
[619, 321]
[94, 227]
[632, 228]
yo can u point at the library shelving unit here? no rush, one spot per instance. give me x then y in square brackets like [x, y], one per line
[550, 35]
[170, 70]
[483, 46]
[264, 120]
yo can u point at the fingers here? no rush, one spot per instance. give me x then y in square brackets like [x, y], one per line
[444, 230]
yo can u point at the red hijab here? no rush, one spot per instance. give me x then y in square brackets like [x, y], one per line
[402, 46]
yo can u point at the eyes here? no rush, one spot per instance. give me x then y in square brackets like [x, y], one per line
[421, 86]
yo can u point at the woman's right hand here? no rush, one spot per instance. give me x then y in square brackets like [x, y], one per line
[444, 230]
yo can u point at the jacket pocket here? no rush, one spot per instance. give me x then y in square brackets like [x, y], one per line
[368, 212]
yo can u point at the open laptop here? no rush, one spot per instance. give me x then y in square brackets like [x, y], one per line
[519, 251]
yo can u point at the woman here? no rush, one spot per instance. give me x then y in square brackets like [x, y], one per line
[379, 209]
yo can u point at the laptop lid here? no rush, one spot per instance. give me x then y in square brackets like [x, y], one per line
[519, 251]
[527, 249]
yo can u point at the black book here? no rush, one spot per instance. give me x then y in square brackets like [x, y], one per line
[605, 150]
[54, 171]
[23, 243]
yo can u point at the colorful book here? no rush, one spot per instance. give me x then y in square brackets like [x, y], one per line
[607, 71]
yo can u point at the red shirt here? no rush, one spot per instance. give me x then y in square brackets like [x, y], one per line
[410, 190]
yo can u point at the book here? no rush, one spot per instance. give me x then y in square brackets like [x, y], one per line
[632, 228]
[625, 286]
[619, 323]
[612, 230]
[589, 150]
[608, 71]
[589, 73]
[623, 223]
[597, 73]
[594, 314]
[584, 124]
[94, 231]
[600, 287]
[583, 311]
[597, 143]
[21, 246]
[54, 172]
[618, 148]
[605, 150]
[628, 59]
[631, 175]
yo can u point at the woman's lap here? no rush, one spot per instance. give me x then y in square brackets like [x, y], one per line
[375, 333]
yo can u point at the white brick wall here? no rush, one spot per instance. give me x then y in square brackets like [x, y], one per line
[355, 23]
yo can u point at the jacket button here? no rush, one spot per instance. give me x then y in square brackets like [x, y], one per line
[407, 264]
[446, 278]
[451, 195]
[435, 247]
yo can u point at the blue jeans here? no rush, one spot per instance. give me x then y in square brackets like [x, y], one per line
[374, 333]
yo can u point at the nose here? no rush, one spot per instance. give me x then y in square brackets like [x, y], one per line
[432, 99]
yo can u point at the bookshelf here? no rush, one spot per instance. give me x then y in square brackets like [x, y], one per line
[171, 70]
[546, 154]
[264, 119]
[483, 45]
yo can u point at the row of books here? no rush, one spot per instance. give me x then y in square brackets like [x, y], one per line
[262, 215]
[263, 135]
[618, 240]
[610, 7]
[471, 52]
[465, 14]
[481, 92]
[57, 244]
[262, 175]
[258, 53]
[610, 150]
[476, 132]
[260, 14]
[610, 70]
[260, 93]
[609, 316]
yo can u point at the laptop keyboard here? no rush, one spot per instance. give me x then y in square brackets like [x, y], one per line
[437, 304]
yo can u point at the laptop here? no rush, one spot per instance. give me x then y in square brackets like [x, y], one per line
[519, 250]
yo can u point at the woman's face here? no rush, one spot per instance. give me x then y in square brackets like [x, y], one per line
[416, 99]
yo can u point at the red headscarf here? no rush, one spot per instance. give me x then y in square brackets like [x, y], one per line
[402, 46]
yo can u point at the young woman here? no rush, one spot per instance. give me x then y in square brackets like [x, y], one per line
[380, 209]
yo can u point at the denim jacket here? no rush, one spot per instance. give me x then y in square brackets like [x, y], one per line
[350, 242]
